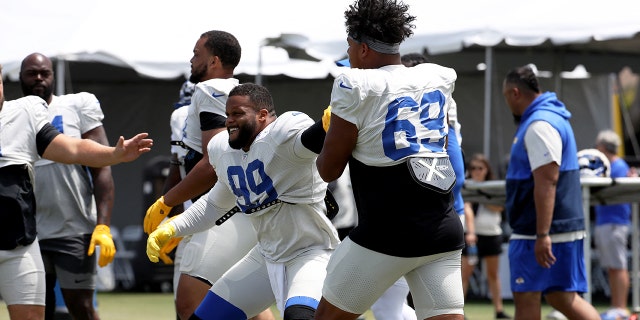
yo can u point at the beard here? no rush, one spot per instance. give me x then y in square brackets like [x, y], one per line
[197, 75]
[44, 92]
[244, 136]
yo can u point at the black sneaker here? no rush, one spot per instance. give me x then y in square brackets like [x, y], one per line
[502, 315]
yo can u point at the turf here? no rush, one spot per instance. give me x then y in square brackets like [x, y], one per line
[159, 306]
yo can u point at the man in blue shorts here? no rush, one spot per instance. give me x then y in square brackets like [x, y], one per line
[544, 199]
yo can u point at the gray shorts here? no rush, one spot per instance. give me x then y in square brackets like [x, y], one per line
[67, 259]
[22, 278]
[611, 244]
[357, 277]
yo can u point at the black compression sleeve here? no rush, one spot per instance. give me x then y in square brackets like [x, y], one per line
[210, 121]
[45, 136]
[313, 137]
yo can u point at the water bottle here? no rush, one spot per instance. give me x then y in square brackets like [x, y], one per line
[472, 255]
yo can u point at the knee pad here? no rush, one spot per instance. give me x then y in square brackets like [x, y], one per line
[299, 312]
[213, 307]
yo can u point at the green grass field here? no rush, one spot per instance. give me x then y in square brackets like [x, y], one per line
[159, 306]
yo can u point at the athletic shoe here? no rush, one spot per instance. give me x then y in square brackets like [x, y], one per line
[615, 314]
[556, 315]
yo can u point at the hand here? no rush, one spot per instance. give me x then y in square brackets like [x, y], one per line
[159, 239]
[542, 250]
[326, 118]
[102, 237]
[167, 248]
[131, 149]
[155, 214]
[470, 238]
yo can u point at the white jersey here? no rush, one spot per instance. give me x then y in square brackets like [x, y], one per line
[209, 96]
[399, 111]
[20, 122]
[67, 207]
[178, 124]
[276, 167]
[453, 121]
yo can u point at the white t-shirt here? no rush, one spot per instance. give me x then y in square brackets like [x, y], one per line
[487, 222]
[543, 144]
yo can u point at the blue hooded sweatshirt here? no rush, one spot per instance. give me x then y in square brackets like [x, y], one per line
[567, 213]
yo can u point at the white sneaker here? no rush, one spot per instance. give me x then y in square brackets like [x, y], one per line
[556, 315]
[615, 314]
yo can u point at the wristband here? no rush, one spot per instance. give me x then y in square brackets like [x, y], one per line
[541, 235]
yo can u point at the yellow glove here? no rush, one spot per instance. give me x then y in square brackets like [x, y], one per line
[102, 237]
[167, 248]
[158, 239]
[155, 214]
[326, 118]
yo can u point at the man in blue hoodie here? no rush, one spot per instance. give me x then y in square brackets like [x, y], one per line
[544, 203]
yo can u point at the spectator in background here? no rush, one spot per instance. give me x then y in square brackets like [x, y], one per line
[543, 203]
[485, 232]
[612, 231]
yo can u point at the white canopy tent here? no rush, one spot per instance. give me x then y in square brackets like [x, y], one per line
[156, 39]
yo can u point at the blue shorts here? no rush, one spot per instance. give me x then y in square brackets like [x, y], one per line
[567, 274]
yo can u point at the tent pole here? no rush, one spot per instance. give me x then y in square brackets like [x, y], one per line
[488, 72]
[259, 72]
[60, 76]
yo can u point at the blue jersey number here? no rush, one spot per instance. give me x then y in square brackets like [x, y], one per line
[57, 123]
[407, 121]
[254, 180]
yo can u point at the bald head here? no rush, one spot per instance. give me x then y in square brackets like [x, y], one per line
[36, 76]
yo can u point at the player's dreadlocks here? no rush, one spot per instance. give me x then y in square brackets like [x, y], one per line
[382, 20]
